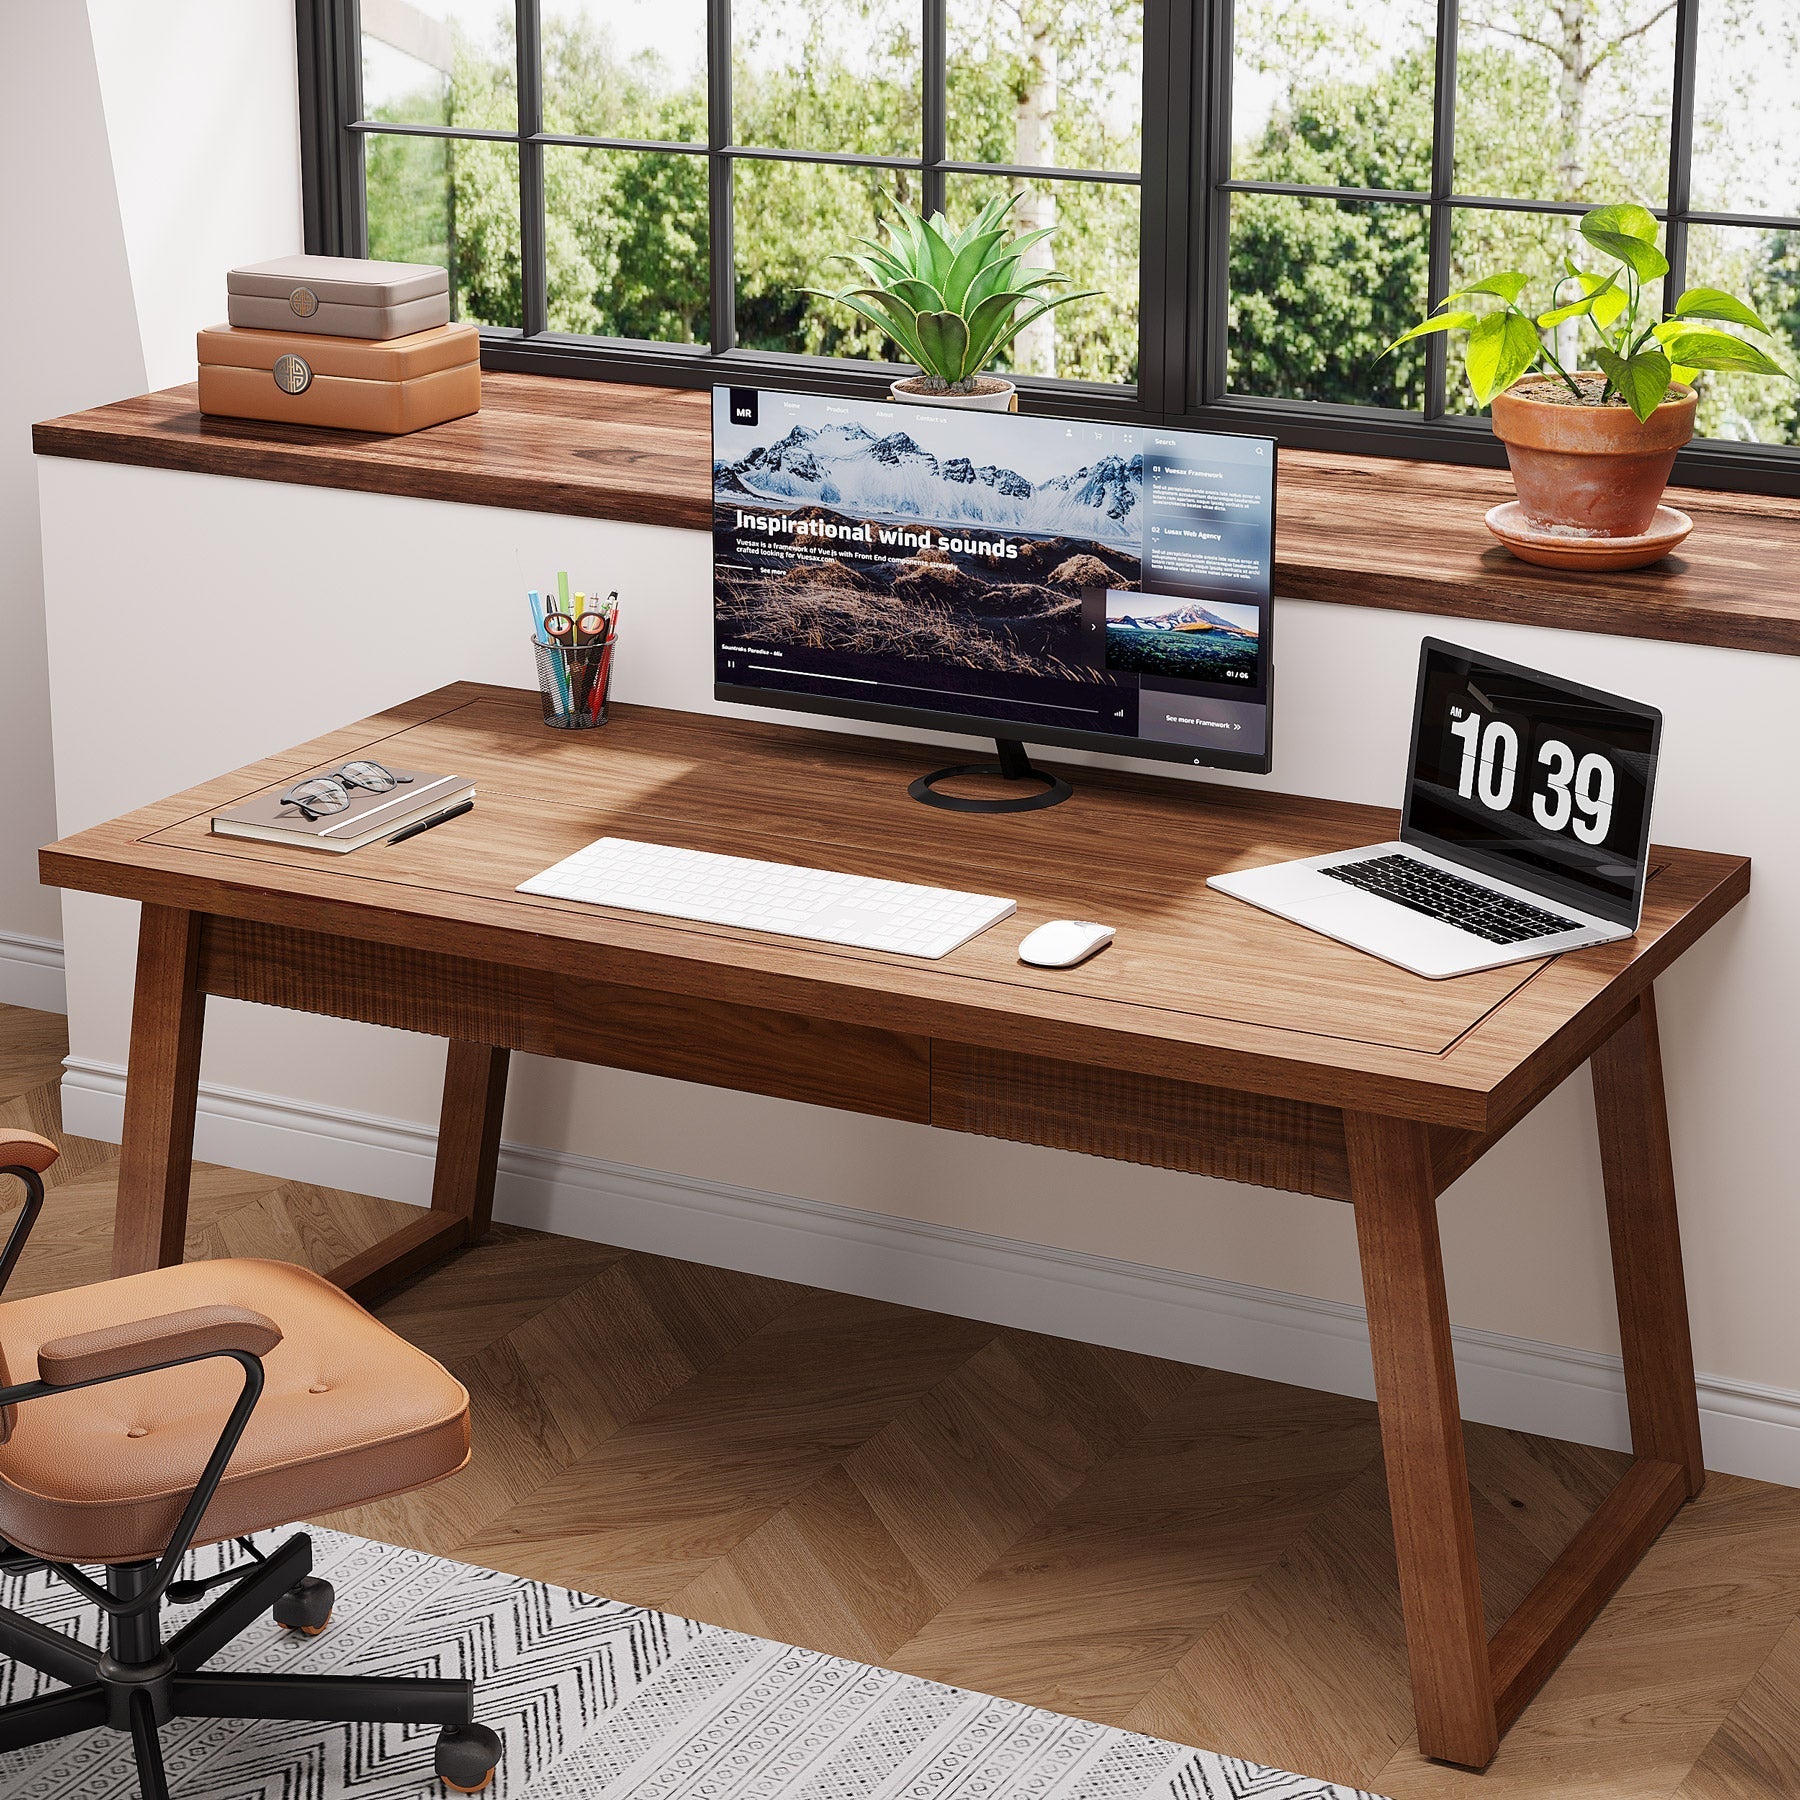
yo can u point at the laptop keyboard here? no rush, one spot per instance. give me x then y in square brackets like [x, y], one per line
[1439, 895]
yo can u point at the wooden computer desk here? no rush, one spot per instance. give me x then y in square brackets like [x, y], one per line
[1209, 1038]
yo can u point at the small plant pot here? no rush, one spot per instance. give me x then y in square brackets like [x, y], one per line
[1584, 471]
[990, 394]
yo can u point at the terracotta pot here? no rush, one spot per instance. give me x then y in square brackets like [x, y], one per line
[991, 394]
[1591, 471]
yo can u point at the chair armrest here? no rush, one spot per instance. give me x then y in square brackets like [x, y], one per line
[143, 1344]
[25, 1150]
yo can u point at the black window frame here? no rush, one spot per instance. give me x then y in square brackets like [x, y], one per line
[1184, 176]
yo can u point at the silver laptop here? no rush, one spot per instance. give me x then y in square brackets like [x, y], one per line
[1525, 829]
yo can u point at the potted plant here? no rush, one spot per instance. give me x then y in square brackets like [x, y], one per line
[952, 300]
[1591, 450]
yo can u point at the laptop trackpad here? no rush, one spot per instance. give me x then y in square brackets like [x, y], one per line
[1369, 921]
[1307, 887]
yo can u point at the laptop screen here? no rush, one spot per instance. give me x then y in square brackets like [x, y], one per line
[1532, 780]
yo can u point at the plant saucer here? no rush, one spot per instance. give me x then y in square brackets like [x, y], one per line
[1564, 550]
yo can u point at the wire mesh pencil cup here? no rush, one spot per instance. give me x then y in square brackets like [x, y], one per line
[574, 682]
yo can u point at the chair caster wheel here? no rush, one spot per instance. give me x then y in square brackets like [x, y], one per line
[306, 1606]
[467, 1756]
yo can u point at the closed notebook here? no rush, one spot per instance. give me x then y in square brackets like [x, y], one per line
[368, 818]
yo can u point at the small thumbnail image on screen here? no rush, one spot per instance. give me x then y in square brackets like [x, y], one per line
[1191, 640]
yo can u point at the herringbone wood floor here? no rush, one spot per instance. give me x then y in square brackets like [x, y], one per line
[1156, 1546]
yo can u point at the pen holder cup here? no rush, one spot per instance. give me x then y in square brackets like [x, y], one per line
[573, 683]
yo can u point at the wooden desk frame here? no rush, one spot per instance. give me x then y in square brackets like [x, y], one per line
[492, 989]
[1467, 1691]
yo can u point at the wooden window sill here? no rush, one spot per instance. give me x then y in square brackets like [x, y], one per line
[1356, 530]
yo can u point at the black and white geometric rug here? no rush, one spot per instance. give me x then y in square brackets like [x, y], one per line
[601, 1701]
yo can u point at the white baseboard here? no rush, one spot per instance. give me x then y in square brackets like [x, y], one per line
[1551, 1389]
[31, 973]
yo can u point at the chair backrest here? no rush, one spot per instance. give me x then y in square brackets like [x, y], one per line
[26, 1155]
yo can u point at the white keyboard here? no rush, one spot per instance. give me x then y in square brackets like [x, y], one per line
[857, 910]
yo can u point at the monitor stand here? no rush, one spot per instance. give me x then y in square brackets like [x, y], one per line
[1014, 765]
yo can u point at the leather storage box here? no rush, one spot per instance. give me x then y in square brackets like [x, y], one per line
[339, 296]
[394, 387]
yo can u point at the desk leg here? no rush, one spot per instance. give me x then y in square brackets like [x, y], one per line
[162, 1085]
[1646, 1245]
[468, 1151]
[1394, 1194]
[462, 1184]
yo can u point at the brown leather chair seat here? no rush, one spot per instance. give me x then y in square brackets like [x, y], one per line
[349, 1413]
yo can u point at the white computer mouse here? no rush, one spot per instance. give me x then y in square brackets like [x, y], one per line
[1064, 942]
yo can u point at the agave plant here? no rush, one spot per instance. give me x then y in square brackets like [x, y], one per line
[952, 300]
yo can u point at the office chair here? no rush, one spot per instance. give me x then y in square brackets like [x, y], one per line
[194, 1405]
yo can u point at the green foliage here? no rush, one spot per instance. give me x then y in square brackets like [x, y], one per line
[1641, 380]
[1639, 358]
[1318, 286]
[627, 231]
[952, 300]
[1627, 233]
[1097, 45]
[1501, 348]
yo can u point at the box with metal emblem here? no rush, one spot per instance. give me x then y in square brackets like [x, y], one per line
[400, 385]
[339, 296]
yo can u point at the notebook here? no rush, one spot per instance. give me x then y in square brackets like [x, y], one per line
[369, 818]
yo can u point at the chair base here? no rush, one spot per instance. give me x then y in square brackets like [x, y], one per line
[140, 1682]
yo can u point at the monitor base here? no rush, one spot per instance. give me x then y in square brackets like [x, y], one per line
[1014, 765]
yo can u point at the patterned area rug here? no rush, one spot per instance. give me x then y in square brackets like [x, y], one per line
[597, 1700]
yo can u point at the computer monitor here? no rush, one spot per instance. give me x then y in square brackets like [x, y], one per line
[1042, 580]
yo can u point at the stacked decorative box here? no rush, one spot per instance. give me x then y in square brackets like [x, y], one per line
[331, 340]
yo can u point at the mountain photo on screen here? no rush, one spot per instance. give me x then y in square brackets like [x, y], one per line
[952, 538]
[1155, 634]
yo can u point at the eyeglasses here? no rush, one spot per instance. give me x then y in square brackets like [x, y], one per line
[319, 795]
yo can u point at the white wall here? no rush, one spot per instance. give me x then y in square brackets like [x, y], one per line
[70, 333]
[616, 1155]
[203, 107]
[147, 148]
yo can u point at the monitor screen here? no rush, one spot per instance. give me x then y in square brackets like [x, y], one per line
[1049, 580]
[1533, 780]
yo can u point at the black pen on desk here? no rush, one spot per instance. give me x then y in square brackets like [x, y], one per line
[454, 812]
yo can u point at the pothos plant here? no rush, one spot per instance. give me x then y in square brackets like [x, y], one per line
[952, 300]
[1639, 354]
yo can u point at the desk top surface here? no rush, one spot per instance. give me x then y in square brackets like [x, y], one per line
[1197, 986]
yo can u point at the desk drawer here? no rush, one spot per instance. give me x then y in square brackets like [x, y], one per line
[1288, 1144]
[399, 985]
[853, 1067]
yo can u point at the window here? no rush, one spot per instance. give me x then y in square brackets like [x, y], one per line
[1402, 148]
[1266, 193]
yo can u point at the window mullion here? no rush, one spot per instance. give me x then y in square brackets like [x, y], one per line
[1442, 217]
[328, 36]
[534, 273]
[1163, 210]
[1681, 147]
[719, 200]
[934, 103]
[1209, 302]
